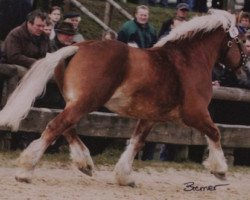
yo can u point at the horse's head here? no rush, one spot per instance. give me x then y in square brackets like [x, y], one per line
[233, 54]
[228, 48]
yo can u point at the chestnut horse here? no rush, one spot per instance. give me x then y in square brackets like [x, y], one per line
[171, 81]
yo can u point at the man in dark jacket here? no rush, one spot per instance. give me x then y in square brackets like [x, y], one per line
[27, 43]
[138, 31]
[180, 17]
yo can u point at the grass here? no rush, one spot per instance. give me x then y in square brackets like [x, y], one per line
[91, 30]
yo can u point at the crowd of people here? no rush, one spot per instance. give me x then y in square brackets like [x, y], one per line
[47, 32]
[39, 34]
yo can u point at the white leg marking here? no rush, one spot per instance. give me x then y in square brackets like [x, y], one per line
[216, 161]
[29, 158]
[123, 168]
[81, 158]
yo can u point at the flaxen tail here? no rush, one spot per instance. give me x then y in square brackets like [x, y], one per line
[31, 86]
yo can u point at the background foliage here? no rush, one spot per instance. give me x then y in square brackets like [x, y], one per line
[91, 30]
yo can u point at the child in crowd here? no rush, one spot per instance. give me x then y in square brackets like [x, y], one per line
[244, 22]
[54, 16]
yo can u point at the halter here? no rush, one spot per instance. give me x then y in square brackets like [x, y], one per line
[233, 37]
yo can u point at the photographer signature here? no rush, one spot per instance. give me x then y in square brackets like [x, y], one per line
[190, 186]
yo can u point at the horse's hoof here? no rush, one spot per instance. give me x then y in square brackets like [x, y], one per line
[220, 175]
[125, 181]
[87, 170]
[132, 184]
[22, 179]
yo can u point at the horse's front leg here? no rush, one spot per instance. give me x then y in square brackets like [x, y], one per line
[32, 154]
[200, 119]
[123, 168]
[79, 153]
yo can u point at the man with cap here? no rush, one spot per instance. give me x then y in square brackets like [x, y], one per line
[65, 33]
[182, 10]
[74, 18]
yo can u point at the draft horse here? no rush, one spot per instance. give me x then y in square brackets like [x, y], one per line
[171, 81]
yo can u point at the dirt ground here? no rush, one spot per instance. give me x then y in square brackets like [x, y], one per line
[60, 181]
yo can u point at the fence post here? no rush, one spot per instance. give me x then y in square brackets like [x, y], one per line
[181, 153]
[107, 15]
[229, 155]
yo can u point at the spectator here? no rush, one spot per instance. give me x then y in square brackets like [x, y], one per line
[138, 31]
[54, 16]
[48, 28]
[64, 36]
[144, 35]
[244, 22]
[109, 35]
[222, 76]
[180, 17]
[74, 19]
[27, 42]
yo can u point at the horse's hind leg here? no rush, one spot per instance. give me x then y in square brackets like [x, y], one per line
[123, 168]
[32, 154]
[79, 152]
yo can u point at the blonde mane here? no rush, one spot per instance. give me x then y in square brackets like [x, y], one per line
[206, 23]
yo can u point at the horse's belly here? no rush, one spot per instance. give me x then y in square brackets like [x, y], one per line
[119, 102]
[141, 108]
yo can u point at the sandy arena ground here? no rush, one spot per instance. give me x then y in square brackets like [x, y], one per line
[62, 182]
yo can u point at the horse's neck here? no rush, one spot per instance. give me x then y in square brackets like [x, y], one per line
[213, 43]
[207, 47]
[202, 48]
